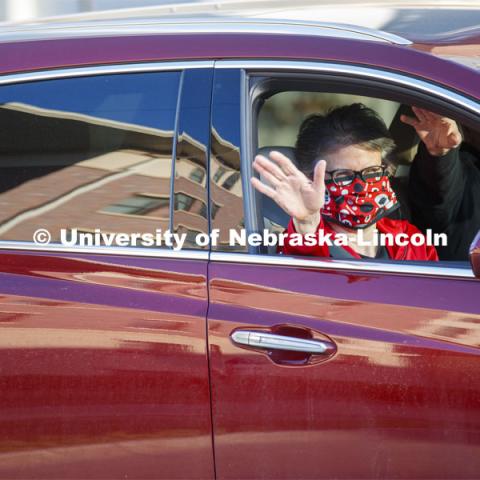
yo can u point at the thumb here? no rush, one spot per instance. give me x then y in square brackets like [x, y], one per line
[319, 175]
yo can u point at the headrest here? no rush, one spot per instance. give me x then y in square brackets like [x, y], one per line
[405, 137]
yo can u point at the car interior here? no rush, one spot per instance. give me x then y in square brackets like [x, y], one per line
[279, 107]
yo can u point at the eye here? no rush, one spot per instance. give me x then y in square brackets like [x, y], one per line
[372, 174]
[342, 178]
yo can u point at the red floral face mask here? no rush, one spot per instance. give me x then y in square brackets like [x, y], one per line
[359, 204]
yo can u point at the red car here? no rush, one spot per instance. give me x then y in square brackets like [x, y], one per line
[218, 359]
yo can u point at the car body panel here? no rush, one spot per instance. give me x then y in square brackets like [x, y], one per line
[104, 369]
[387, 401]
[391, 402]
[46, 54]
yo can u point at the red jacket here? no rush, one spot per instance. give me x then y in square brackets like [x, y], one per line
[384, 225]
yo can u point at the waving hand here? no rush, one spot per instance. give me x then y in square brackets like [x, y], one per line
[297, 195]
[439, 134]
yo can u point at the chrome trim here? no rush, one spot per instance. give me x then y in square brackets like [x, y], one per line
[103, 70]
[112, 251]
[342, 265]
[364, 72]
[270, 341]
[192, 25]
[245, 258]
[248, 191]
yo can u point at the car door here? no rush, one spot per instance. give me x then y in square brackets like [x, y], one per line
[326, 368]
[103, 362]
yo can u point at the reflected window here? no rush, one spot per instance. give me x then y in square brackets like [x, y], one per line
[231, 181]
[219, 173]
[225, 181]
[190, 235]
[183, 201]
[198, 175]
[138, 205]
[213, 210]
[72, 150]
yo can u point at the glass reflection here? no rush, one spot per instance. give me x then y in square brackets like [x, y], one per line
[226, 184]
[86, 153]
[190, 213]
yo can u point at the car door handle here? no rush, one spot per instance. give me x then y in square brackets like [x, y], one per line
[272, 341]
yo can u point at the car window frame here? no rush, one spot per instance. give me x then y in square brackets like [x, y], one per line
[464, 108]
[98, 70]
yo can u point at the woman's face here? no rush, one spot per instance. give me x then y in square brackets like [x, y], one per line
[347, 211]
[352, 158]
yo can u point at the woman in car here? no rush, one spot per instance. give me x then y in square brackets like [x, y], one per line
[341, 185]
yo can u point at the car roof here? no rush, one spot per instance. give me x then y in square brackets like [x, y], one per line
[439, 28]
[448, 20]
[445, 28]
[194, 24]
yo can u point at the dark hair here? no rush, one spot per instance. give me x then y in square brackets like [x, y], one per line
[344, 126]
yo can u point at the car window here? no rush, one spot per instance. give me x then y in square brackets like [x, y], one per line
[412, 208]
[87, 153]
[226, 187]
[190, 212]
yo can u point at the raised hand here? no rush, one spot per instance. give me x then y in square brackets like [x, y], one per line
[301, 198]
[439, 134]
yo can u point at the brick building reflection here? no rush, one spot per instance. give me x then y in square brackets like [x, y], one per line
[226, 189]
[64, 170]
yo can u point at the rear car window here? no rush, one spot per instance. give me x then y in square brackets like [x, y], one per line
[87, 153]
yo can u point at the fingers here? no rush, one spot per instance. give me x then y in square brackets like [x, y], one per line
[270, 178]
[427, 115]
[269, 166]
[319, 175]
[284, 162]
[420, 113]
[413, 122]
[454, 139]
[262, 188]
[432, 117]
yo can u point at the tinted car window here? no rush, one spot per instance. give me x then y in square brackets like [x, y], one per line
[226, 187]
[432, 221]
[87, 153]
[190, 213]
